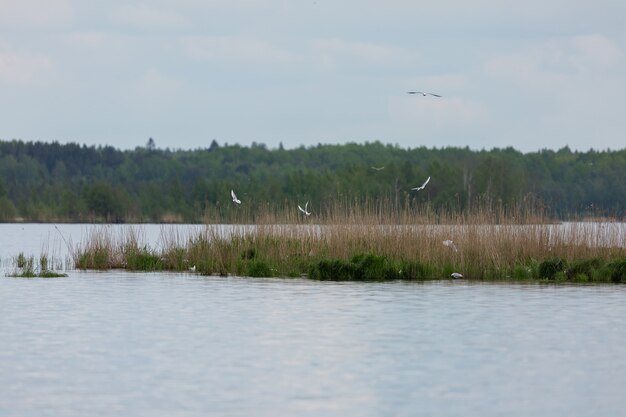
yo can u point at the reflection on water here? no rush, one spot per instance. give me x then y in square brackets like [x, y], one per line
[119, 343]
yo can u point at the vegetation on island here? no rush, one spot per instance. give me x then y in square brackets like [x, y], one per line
[355, 250]
[46, 182]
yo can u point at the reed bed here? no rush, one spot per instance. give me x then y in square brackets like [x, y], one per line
[407, 209]
[489, 245]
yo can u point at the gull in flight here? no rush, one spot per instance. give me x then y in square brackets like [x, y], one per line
[456, 275]
[305, 210]
[423, 94]
[450, 244]
[378, 168]
[235, 199]
[421, 187]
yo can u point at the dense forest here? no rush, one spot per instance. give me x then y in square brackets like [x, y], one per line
[72, 182]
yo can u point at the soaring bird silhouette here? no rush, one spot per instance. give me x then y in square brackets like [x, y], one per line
[378, 168]
[423, 94]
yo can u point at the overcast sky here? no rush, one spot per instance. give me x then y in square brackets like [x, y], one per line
[529, 74]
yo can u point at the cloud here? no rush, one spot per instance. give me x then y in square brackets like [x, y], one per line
[37, 14]
[147, 17]
[21, 66]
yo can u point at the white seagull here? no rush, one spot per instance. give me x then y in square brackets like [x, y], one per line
[424, 94]
[450, 244]
[456, 275]
[305, 210]
[421, 187]
[378, 168]
[235, 199]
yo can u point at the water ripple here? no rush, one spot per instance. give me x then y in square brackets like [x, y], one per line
[120, 343]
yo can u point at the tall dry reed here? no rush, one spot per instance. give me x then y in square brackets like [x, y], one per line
[481, 244]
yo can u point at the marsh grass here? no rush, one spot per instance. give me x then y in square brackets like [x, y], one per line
[26, 267]
[361, 244]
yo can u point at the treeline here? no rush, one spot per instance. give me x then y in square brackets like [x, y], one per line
[71, 182]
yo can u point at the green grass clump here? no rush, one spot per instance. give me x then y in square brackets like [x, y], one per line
[97, 258]
[362, 267]
[618, 270]
[175, 259]
[50, 274]
[26, 268]
[258, 268]
[143, 260]
[582, 270]
[415, 270]
[522, 272]
[549, 268]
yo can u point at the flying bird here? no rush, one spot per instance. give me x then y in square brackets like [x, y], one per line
[378, 168]
[450, 244]
[424, 94]
[456, 275]
[305, 210]
[235, 199]
[421, 187]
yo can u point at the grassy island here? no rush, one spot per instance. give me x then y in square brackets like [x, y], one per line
[368, 248]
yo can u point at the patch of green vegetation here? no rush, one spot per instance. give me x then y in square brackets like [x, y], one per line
[175, 259]
[618, 270]
[26, 268]
[51, 274]
[143, 260]
[258, 268]
[248, 254]
[549, 268]
[363, 267]
[415, 270]
[583, 268]
[98, 258]
[522, 272]
[21, 260]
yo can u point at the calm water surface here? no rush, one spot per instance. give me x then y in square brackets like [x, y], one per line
[137, 344]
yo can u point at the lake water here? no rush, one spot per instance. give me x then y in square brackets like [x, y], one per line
[137, 344]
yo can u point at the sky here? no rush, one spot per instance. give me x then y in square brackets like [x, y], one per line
[531, 74]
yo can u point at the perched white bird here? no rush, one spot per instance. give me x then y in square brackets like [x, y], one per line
[450, 244]
[456, 275]
[378, 168]
[235, 199]
[423, 93]
[421, 187]
[305, 210]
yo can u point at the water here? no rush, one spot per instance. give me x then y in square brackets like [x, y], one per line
[121, 343]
